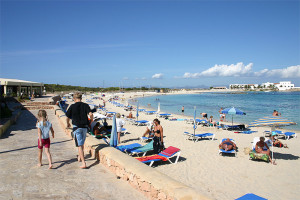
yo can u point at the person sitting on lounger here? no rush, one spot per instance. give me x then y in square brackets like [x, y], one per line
[227, 145]
[276, 142]
[211, 121]
[98, 129]
[130, 116]
[149, 130]
[259, 148]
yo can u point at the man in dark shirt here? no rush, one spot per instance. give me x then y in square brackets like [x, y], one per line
[78, 112]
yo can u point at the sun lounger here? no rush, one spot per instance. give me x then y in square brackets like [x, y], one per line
[144, 139]
[189, 121]
[141, 122]
[199, 136]
[107, 136]
[246, 132]
[143, 149]
[165, 155]
[286, 135]
[150, 112]
[250, 196]
[221, 151]
[128, 147]
[259, 156]
[165, 115]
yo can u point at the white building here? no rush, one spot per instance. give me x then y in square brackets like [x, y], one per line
[14, 86]
[243, 86]
[284, 85]
[267, 85]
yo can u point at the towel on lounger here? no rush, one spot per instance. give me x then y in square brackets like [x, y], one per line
[153, 157]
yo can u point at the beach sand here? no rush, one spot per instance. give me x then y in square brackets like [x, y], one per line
[220, 177]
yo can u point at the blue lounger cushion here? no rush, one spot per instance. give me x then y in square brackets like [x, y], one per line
[250, 196]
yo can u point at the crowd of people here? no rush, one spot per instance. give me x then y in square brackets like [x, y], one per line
[82, 121]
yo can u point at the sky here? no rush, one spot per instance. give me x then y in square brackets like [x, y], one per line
[151, 43]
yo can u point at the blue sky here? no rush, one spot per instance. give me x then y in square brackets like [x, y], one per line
[160, 43]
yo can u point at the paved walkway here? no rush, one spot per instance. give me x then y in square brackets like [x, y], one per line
[22, 179]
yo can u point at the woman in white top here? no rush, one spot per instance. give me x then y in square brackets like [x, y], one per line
[120, 123]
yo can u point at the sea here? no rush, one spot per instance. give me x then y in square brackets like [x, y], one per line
[255, 104]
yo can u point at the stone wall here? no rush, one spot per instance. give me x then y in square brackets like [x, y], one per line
[10, 122]
[152, 183]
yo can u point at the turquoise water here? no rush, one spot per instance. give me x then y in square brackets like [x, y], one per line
[255, 104]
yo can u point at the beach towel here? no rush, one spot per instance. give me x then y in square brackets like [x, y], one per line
[169, 151]
[259, 156]
[153, 157]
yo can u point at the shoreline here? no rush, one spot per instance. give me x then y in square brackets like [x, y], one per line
[180, 116]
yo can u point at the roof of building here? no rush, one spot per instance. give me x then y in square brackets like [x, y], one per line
[6, 81]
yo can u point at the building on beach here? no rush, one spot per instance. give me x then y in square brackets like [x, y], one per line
[243, 86]
[284, 85]
[219, 88]
[267, 85]
[14, 87]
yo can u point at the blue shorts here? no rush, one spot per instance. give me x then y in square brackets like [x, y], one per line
[80, 135]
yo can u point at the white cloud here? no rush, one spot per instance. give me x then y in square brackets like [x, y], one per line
[240, 70]
[125, 78]
[157, 76]
[223, 70]
[289, 72]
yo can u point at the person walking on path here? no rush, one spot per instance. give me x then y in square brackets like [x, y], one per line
[44, 127]
[79, 112]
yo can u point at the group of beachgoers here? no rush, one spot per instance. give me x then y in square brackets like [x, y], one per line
[79, 113]
[82, 121]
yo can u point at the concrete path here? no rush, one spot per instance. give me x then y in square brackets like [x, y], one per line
[22, 179]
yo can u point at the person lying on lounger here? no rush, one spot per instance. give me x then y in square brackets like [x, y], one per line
[227, 145]
[262, 147]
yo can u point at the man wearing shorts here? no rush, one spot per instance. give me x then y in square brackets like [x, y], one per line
[79, 112]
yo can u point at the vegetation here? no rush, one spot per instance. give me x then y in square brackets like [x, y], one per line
[66, 88]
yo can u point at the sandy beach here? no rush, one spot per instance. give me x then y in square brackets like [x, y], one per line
[220, 177]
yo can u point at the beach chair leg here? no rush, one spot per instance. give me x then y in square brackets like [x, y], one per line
[151, 163]
[213, 137]
[144, 153]
[177, 158]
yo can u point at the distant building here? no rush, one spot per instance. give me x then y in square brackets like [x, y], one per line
[220, 88]
[284, 85]
[14, 87]
[267, 85]
[243, 86]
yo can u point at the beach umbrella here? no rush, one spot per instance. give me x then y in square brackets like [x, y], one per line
[137, 112]
[273, 122]
[158, 108]
[233, 111]
[195, 125]
[114, 135]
